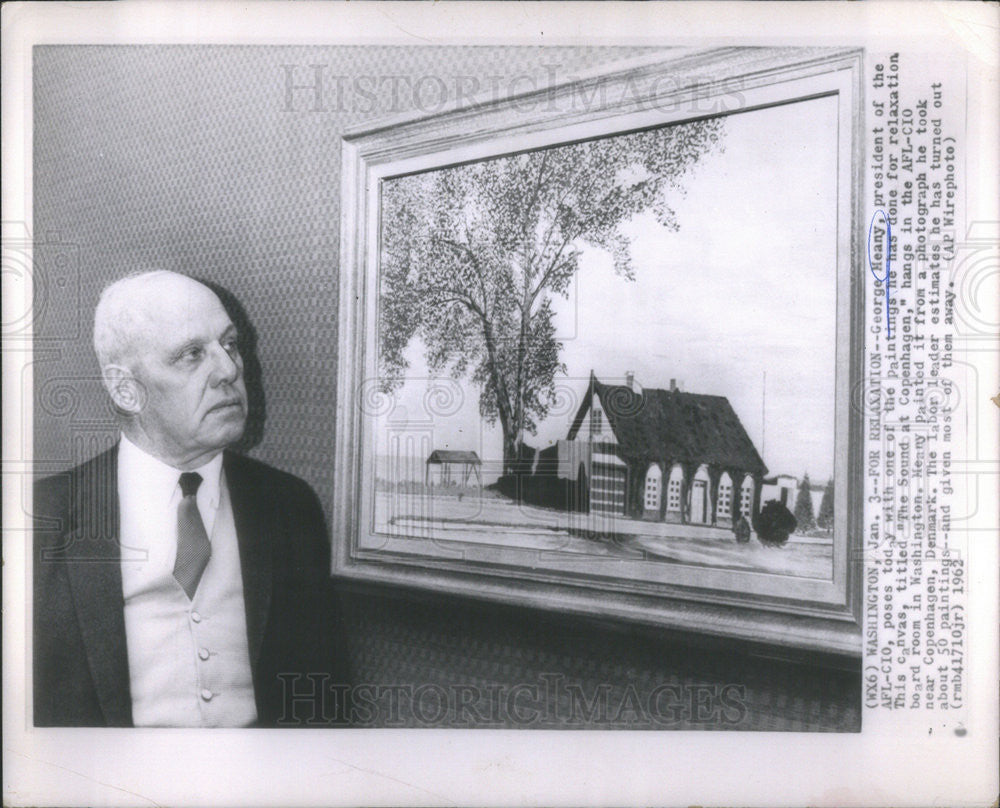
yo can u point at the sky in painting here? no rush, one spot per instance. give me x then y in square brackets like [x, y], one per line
[746, 287]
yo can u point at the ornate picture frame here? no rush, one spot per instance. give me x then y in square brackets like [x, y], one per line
[409, 502]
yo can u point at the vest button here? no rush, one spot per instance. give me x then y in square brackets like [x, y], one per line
[196, 617]
[206, 694]
[203, 653]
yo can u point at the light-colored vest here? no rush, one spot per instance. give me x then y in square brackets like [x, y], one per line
[189, 661]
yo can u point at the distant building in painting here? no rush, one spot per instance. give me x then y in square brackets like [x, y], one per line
[781, 488]
[784, 488]
[663, 455]
[452, 467]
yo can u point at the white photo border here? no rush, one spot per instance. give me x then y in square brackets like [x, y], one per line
[893, 761]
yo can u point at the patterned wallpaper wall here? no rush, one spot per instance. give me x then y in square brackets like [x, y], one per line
[224, 162]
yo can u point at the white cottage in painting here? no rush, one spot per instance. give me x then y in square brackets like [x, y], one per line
[655, 454]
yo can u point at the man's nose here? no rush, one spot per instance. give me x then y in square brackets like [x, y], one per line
[227, 365]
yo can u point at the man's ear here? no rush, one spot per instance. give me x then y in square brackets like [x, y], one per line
[127, 393]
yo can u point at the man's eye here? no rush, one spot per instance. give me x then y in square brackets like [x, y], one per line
[231, 346]
[191, 354]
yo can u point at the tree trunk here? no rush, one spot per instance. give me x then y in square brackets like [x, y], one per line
[509, 451]
[507, 424]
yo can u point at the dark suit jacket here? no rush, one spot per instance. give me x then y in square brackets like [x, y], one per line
[81, 675]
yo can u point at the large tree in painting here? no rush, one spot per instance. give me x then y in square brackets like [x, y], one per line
[471, 256]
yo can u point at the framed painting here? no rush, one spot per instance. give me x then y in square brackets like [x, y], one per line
[598, 345]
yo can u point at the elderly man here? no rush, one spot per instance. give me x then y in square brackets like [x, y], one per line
[176, 583]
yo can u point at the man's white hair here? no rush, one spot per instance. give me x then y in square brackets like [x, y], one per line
[119, 318]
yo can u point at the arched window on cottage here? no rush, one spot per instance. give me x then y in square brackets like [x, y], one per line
[723, 508]
[653, 489]
[699, 506]
[746, 497]
[674, 488]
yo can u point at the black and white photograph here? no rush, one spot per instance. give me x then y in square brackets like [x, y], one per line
[499, 404]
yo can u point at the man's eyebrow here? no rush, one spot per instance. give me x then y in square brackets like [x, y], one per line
[176, 352]
[181, 347]
[230, 330]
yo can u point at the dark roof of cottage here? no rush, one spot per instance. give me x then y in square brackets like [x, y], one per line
[453, 456]
[678, 426]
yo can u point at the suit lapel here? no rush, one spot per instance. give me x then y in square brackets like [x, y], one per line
[257, 526]
[92, 556]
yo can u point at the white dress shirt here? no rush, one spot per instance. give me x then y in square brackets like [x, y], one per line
[189, 660]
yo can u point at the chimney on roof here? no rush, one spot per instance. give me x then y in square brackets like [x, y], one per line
[673, 385]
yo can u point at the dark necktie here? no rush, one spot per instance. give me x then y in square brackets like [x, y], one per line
[193, 547]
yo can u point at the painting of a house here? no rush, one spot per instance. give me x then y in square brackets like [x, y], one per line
[659, 455]
[514, 289]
